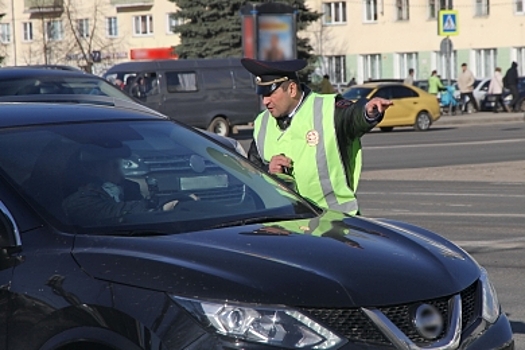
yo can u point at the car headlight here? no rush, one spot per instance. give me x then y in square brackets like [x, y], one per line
[491, 307]
[277, 326]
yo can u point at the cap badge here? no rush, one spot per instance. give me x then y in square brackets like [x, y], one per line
[312, 138]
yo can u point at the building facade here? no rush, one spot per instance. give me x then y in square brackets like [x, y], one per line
[82, 33]
[373, 39]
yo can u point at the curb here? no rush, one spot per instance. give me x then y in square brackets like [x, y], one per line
[480, 118]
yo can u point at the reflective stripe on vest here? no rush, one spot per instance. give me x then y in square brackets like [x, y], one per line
[331, 190]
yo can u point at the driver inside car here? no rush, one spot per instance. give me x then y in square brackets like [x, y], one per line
[105, 195]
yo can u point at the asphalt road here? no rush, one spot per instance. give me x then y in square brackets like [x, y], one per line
[465, 182]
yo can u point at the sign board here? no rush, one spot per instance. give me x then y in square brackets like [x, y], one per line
[448, 23]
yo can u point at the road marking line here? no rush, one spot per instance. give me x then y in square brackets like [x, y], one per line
[386, 213]
[445, 144]
[442, 194]
[509, 243]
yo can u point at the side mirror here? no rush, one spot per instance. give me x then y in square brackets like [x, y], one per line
[9, 233]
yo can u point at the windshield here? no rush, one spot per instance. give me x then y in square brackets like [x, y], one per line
[61, 85]
[107, 177]
[356, 93]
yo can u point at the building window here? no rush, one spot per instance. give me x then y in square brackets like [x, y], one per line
[407, 60]
[371, 67]
[434, 6]
[143, 25]
[83, 27]
[520, 59]
[5, 33]
[482, 8]
[336, 68]
[111, 27]
[520, 8]
[486, 60]
[402, 13]
[334, 12]
[27, 28]
[54, 30]
[173, 21]
[370, 10]
[439, 63]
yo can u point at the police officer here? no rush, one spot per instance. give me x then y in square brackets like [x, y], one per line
[313, 137]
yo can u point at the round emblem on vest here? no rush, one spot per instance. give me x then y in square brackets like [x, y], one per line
[312, 138]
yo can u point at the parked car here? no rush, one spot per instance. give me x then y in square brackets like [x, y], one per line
[20, 81]
[480, 86]
[236, 261]
[212, 94]
[36, 84]
[487, 103]
[50, 66]
[412, 106]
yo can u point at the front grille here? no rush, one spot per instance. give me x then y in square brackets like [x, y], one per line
[401, 316]
[350, 323]
[356, 326]
[470, 298]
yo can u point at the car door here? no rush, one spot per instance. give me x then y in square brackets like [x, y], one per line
[408, 102]
[146, 88]
[394, 113]
[481, 91]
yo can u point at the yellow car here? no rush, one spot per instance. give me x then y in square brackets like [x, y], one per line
[412, 106]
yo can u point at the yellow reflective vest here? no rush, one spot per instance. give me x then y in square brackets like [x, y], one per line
[311, 142]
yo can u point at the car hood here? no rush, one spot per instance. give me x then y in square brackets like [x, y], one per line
[332, 260]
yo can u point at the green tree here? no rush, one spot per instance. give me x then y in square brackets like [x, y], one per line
[212, 28]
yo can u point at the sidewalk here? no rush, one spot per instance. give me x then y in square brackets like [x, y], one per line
[480, 118]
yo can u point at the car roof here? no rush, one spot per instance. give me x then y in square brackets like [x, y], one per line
[50, 66]
[373, 85]
[27, 114]
[20, 72]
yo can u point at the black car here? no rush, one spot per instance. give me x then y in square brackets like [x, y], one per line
[195, 248]
[59, 84]
[20, 81]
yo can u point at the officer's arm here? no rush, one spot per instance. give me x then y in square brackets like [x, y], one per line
[255, 157]
[351, 119]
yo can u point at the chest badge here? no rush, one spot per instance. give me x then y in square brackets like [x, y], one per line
[312, 138]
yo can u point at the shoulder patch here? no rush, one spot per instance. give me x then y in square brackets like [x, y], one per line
[343, 103]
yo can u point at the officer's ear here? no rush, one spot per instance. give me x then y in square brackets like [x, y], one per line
[293, 89]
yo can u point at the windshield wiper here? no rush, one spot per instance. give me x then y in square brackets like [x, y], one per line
[262, 220]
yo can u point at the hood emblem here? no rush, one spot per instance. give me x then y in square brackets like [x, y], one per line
[428, 321]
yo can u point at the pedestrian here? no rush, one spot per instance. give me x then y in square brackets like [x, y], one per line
[466, 82]
[496, 90]
[351, 83]
[313, 138]
[410, 79]
[434, 84]
[511, 82]
[326, 86]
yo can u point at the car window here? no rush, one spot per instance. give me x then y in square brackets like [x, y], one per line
[243, 79]
[181, 81]
[485, 86]
[399, 92]
[356, 93]
[101, 177]
[384, 92]
[215, 79]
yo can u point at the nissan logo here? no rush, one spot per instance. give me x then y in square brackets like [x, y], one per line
[428, 321]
